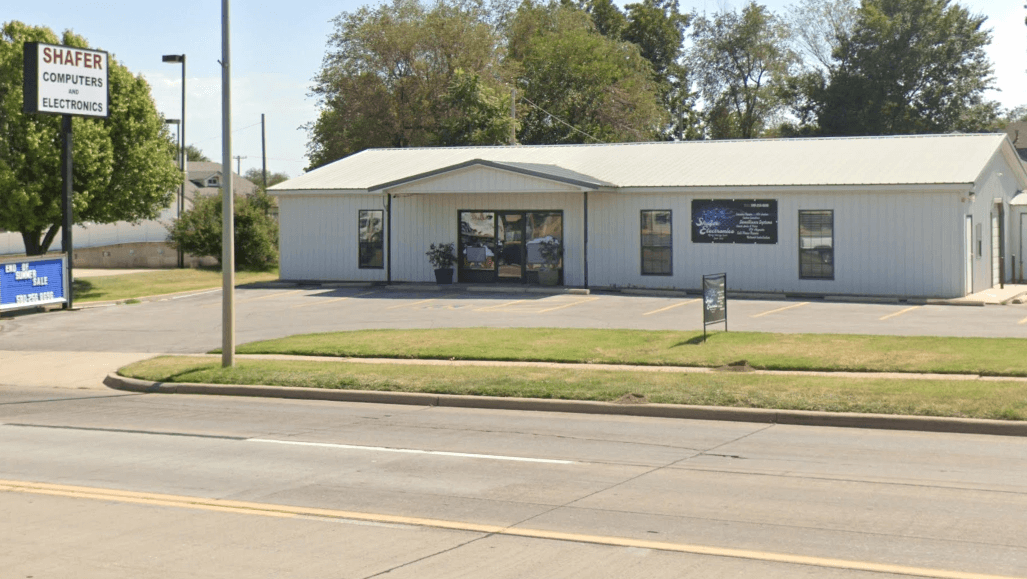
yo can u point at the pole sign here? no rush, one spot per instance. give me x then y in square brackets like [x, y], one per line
[714, 301]
[734, 221]
[63, 80]
[27, 283]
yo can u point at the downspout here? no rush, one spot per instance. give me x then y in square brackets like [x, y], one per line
[586, 239]
[388, 238]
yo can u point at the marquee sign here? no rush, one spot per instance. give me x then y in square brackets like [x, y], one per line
[27, 283]
[65, 80]
[734, 221]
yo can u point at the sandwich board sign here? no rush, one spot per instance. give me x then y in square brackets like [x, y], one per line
[714, 301]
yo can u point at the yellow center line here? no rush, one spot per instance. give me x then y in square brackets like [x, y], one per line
[900, 312]
[288, 511]
[323, 302]
[800, 304]
[274, 295]
[579, 302]
[420, 302]
[670, 307]
[490, 308]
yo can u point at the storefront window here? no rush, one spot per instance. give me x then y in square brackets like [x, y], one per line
[816, 244]
[656, 243]
[370, 239]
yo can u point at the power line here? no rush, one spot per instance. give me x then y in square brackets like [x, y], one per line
[561, 121]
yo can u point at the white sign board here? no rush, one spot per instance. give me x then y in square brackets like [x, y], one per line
[65, 80]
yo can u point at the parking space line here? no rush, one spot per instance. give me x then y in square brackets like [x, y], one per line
[420, 302]
[333, 300]
[800, 304]
[274, 295]
[899, 313]
[579, 302]
[1023, 321]
[670, 307]
[496, 307]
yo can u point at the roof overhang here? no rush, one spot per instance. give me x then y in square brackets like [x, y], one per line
[552, 173]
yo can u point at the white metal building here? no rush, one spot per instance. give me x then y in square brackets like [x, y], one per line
[908, 216]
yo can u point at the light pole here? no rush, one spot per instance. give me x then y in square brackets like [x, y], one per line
[183, 161]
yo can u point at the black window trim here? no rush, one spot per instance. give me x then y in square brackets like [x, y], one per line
[799, 227]
[642, 246]
[360, 264]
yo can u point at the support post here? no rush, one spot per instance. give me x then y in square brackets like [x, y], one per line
[67, 245]
[228, 205]
[263, 152]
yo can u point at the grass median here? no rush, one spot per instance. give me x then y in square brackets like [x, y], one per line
[158, 282]
[969, 398]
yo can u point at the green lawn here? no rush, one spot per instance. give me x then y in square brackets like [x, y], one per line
[157, 282]
[959, 398]
[858, 353]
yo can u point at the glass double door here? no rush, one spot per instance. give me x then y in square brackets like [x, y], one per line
[503, 246]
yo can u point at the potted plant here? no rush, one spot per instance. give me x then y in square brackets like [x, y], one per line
[442, 257]
[551, 252]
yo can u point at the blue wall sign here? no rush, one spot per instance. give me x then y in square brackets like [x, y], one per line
[734, 221]
[27, 282]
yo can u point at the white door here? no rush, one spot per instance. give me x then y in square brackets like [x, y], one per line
[969, 252]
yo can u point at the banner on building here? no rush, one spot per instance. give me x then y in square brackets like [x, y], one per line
[734, 221]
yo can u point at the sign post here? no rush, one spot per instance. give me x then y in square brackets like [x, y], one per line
[714, 301]
[66, 81]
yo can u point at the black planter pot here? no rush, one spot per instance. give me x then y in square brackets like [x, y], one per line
[444, 275]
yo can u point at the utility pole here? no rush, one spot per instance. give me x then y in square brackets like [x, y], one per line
[238, 163]
[228, 203]
[263, 152]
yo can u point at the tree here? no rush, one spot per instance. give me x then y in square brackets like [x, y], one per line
[193, 153]
[579, 85]
[387, 73]
[741, 62]
[124, 166]
[909, 66]
[256, 176]
[198, 231]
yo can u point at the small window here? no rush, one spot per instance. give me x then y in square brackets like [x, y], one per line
[656, 242]
[370, 239]
[816, 244]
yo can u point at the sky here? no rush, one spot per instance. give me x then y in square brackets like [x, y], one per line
[277, 47]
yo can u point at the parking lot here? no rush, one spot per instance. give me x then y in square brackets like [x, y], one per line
[192, 322]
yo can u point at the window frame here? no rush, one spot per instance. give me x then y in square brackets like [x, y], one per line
[380, 247]
[810, 276]
[669, 246]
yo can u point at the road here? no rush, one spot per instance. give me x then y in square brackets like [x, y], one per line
[126, 485]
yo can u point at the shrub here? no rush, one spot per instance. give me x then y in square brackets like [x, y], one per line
[198, 231]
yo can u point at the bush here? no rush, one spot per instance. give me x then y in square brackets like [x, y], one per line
[198, 231]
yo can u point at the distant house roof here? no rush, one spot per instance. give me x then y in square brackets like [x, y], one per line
[201, 171]
[846, 161]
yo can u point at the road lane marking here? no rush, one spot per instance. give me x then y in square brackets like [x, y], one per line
[672, 306]
[411, 451]
[490, 308]
[320, 302]
[1023, 321]
[800, 304]
[900, 312]
[420, 302]
[577, 303]
[292, 512]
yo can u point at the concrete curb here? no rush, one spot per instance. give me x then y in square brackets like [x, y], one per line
[757, 415]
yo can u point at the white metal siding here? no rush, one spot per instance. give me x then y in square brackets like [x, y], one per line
[885, 243]
[318, 237]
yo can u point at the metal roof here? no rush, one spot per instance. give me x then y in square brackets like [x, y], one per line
[846, 161]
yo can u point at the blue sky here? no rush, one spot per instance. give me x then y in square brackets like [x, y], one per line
[277, 47]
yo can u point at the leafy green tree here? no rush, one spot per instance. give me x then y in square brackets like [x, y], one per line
[389, 69]
[198, 230]
[579, 85]
[741, 62]
[124, 166]
[473, 112]
[909, 66]
[256, 176]
[193, 153]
